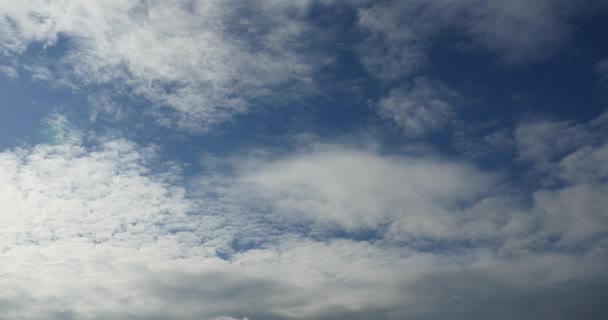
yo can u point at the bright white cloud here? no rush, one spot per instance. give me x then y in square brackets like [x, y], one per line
[204, 60]
[65, 192]
[423, 198]
[400, 197]
[94, 233]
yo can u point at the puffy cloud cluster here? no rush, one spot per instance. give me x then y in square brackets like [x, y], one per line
[401, 37]
[571, 156]
[66, 192]
[425, 107]
[98, 232]
[358, 190]
[204, 60]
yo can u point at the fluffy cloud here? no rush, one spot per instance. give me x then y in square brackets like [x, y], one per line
[424, 107]
[358, 190]
[571, 156]
[65, 192]
[205, 60]
[543, 141]
[419, 199]
[98, 233]
[418, 202]
[566, 149]
[9, 71]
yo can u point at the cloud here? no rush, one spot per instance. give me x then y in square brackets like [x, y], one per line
[393, 197]
[198, 62]
[498, 291]
[95, 232]
[66, 192]
[543, 28]
[560, 147]
[421, 199]
[575, 213]
[544, 140]
[400, 33]
[569, 160]
[586, 164]
[104, 232]
[425, 107]
[103, 228]
[395, 45]
[57, 130]
[601, 69]
[9, 71]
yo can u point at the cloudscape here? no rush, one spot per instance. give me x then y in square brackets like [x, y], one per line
[303, 159]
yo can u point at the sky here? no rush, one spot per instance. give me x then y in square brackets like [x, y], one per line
[303, 159]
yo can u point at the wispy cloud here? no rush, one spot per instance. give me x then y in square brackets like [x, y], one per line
[204, 61]
[402, 32]
[98, 232]
[424, 107]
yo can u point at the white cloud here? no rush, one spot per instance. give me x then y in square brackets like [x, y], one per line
[543, 141]
[424, 107]
[205, 60]
[586, 164]
[560, 149]
[572, 156]
[420, 198]
[395, 46]
[65, 192]
[58, 130]
[95, 233]
[542, 28]
[401, 32]
[575, 213]
[400, 197]
[9, 71]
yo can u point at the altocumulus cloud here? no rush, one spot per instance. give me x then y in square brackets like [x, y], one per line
[198, 62]
[198, 223]
[94, 233]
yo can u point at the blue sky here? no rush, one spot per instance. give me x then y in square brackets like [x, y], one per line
[307, 159]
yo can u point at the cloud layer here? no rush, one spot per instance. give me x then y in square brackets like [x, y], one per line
[100, 232]
[204, 61]
[326, 212]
